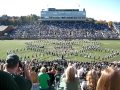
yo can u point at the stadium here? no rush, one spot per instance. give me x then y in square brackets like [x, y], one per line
[60, 28]
[57, 39]
[64, 24]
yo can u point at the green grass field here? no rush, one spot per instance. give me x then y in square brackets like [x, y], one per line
[70, 49]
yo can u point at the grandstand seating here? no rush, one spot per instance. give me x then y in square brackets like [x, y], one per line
[64, 30]
[117, 27]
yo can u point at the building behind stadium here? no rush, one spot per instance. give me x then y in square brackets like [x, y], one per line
[53, 14]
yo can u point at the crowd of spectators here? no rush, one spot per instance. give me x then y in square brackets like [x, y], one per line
[58, 75]
[117, 27]
[64, 30]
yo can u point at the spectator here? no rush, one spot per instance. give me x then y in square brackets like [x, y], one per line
[58, 77]
[92, 79]
[84, 82]
[53, 70]
[7, 82]
[12, 66]
[109, 80]
[52, 78]
[43, 79]
[71, 82]
[34, 77]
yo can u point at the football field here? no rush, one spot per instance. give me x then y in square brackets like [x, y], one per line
[52, 49]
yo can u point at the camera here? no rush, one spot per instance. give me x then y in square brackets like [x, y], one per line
[21, 64]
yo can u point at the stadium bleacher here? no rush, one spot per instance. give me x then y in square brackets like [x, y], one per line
[117, 27]
[62, 30]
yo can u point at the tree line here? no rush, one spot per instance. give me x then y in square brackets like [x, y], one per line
[18, 20]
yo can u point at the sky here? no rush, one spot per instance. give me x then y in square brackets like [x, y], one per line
[108, 10]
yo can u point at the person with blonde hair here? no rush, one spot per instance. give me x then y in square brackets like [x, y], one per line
[43, 79]
[92, 79]
[109, 80]
[71, 82]
[34, 77]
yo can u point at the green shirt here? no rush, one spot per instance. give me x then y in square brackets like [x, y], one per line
[43, 79]
[7, 82]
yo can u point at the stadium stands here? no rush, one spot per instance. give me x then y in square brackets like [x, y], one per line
[117, 27]
[64, 30]
[63, 24]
